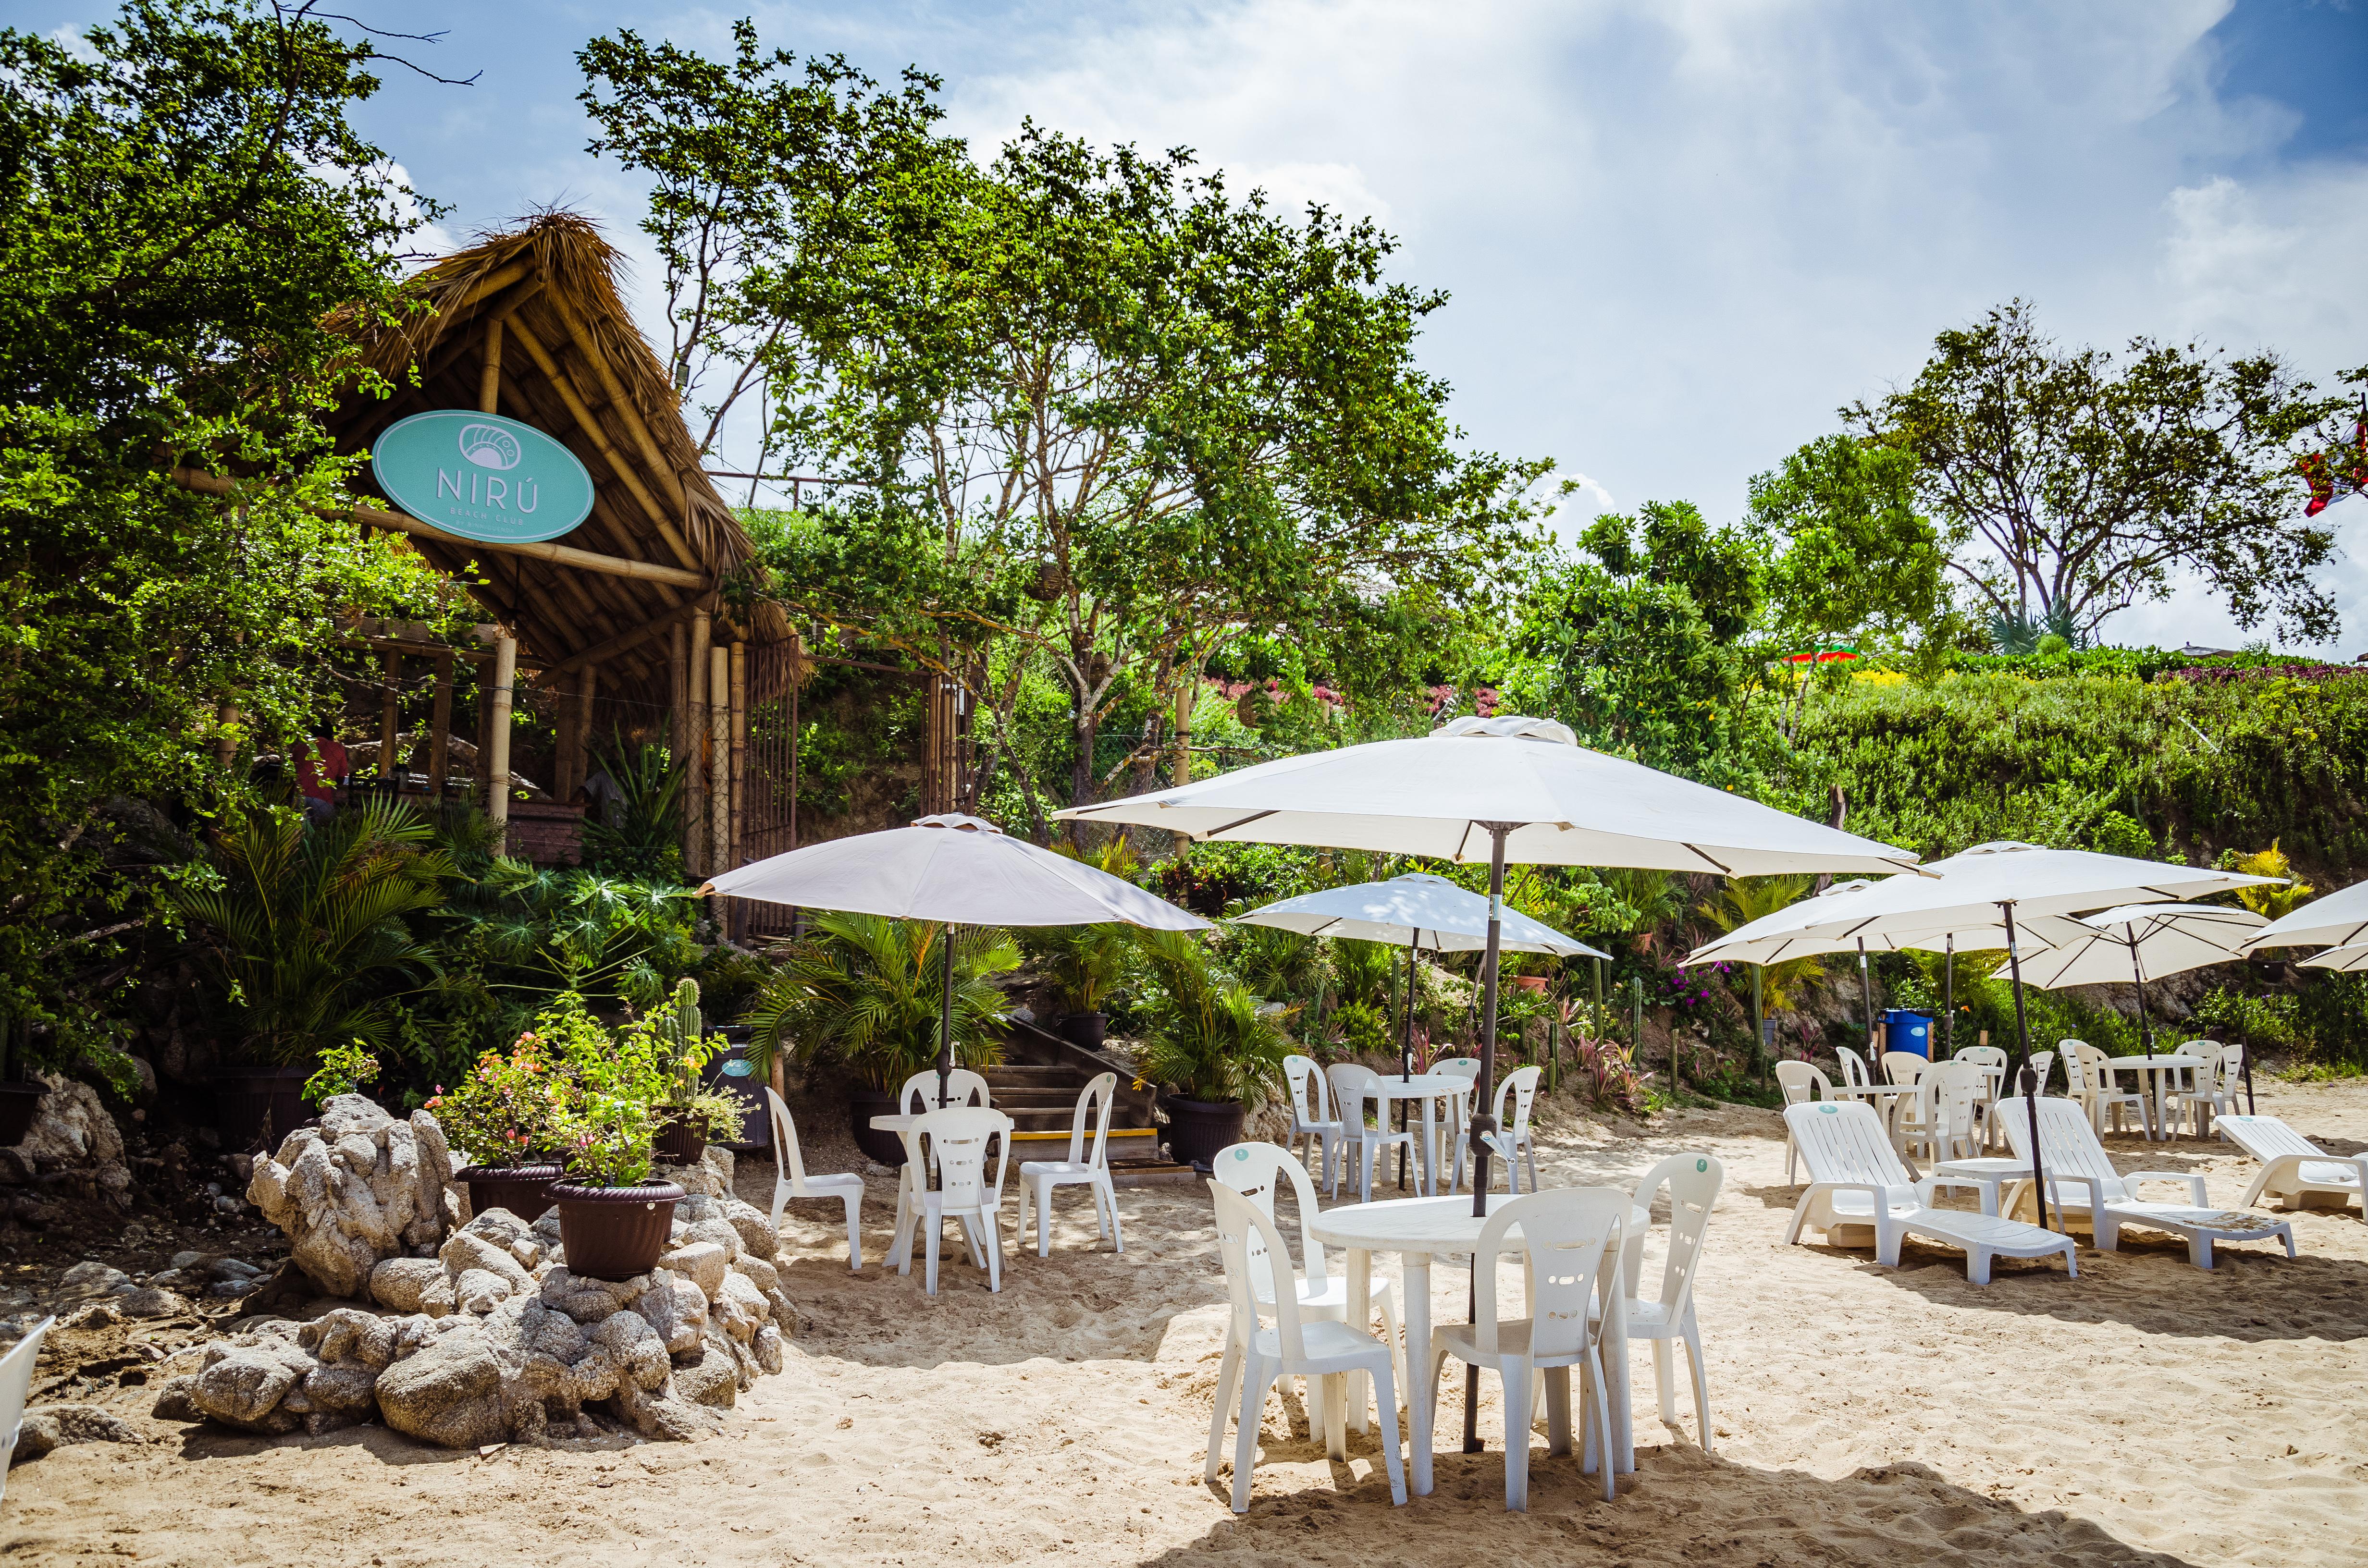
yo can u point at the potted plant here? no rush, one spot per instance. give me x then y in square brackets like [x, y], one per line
[509, 1114]
[864, 991]
[613, 1219]
[1087, 964]
[688, 1114]
[1212, 1049]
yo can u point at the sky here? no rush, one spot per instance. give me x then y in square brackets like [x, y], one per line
[1677, 234]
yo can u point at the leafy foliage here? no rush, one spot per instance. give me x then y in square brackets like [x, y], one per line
[1209, 1039]
[865, 993]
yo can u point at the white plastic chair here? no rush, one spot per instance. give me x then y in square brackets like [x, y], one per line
[1857, 1182]
[2087, 1079]
[2293, 1168]
[790, 1180]
[1567, 1236]
[1947, 1097]
[1352, 1085]
[1904, 1066]
[15, 1385]
[1256, 1170]
[1459, 1106]
[2216, 1095]
[1853, 1066]
[963, 1087]
[1692, 1181]
[1257, 1356]
[2081, 1180]
[958, 1136]
[1802, 1081]
[1312, 1120]
[1511, 1139]
[1084, 1167]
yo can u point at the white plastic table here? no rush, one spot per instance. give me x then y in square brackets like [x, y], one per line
[1419, 1229]
[1986, 1174]
[1430, 1089]
[2157, 1070]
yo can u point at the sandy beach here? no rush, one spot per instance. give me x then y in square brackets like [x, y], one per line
[2146, 1413]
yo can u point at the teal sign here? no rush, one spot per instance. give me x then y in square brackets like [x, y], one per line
[482, 476]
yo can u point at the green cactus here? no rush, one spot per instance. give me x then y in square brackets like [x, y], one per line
[681, 1029]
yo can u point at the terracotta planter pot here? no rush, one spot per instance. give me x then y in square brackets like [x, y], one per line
[614, 1233]
[863, 1105]
[245, 1102]
[524, 1190]
[18, 1105]
[679, 1142]
[1535, 985]
[1086, 1030]
[1198, 1130]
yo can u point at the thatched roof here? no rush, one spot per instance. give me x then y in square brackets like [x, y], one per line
[574, 365]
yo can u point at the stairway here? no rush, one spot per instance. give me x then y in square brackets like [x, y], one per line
[1038, 1087]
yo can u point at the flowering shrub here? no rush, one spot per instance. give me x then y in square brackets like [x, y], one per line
[512, 1108]
[1689, 990]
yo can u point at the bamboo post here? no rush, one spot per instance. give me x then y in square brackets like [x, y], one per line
[694, 747]
[587, 687]
[739, 751]
[563, 749]
[719, 764]
[389, 720]
[797, 684]
[1184, 694]
[439, 736]
[496, 758]
[226, 718]
[489, 384]
[678, 689]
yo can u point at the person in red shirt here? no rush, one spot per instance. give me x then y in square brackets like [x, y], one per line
[319, 775]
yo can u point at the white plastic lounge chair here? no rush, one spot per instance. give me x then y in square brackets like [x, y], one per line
[16, 1383]
[1311, 1121]
[1802, 1083]
[1257, 1356]
[1857, 1182]
[1568, 1237]
[1512, 1140]
[1352, 1085]
[958, 1137]
[1086, 1166]
[790, 1180]
[2082, 1182]
[2293, 1169]
[1257, 1171]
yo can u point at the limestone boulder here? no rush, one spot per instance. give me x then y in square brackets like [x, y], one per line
[74, 1146]
[755, 1228]
[52, 1426]
[244, 1382]
[357, 1189]
[704, 1264]
[713, 1380]
[413, 1284]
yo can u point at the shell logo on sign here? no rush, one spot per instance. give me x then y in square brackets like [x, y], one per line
[479, 476]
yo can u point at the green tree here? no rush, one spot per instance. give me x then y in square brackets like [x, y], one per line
[1854, 558]
[185, 212]
[2088, 482]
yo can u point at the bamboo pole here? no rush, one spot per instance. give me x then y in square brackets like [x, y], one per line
[395, 522]
[588, 687]
[719, 763]
[389, 720]
[677, 692]
[562, 749]
[625, 641]
[739, 752]
[496, 767]
[489, 379]
[439, 736]
[1184, 695]
[694, 751]
[581, 412]
[659, 466]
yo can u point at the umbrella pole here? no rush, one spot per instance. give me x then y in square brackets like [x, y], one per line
[2138, 971]
[2029, 1079]
[1484, 1099]
[1406, 1052]
[946, 1012]
[1949, 987]
[1866, 1000]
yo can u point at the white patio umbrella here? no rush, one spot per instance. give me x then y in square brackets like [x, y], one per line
[2339, 920]
[960, 870]
[1515, 789]
[2008, 878]
[1419, 910]
[2342, 960]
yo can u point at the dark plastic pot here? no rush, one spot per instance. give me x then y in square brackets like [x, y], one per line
[245, 1102]
[1198, 1130]
[863, 1105]
[18, 1105]
[1086, 1029]
[679, 1142]
[614, 1233]
[524, 1190]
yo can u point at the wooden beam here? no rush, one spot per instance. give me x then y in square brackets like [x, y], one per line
[590, 423]
[489, 379]
[440, 736]
[390, 719]
[557, 554]
[623, 641]
[623, 405]
[492, 283]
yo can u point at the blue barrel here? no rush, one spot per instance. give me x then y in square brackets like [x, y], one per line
[1906, 1030]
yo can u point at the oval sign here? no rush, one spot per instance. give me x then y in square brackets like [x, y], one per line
[482, 476]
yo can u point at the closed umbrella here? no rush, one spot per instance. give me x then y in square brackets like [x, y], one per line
[1515, 789]
[961, 871]
[2006, 878]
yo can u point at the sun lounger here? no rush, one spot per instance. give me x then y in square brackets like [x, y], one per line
[2081, 1181]
[1856, 1181]
[2293, 1168]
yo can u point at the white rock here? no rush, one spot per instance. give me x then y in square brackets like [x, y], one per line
[703, 1262]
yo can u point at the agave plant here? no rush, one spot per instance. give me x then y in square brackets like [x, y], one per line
[310, 929]
[1209, 1037]
[866, 991]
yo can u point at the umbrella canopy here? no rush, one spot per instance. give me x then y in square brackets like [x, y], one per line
[1971, 889]
[962, 870]
[2339, 920]
[1419, 910]
[1568, 806]
[2343, 961]
[2145, 941]
[1802, 930]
